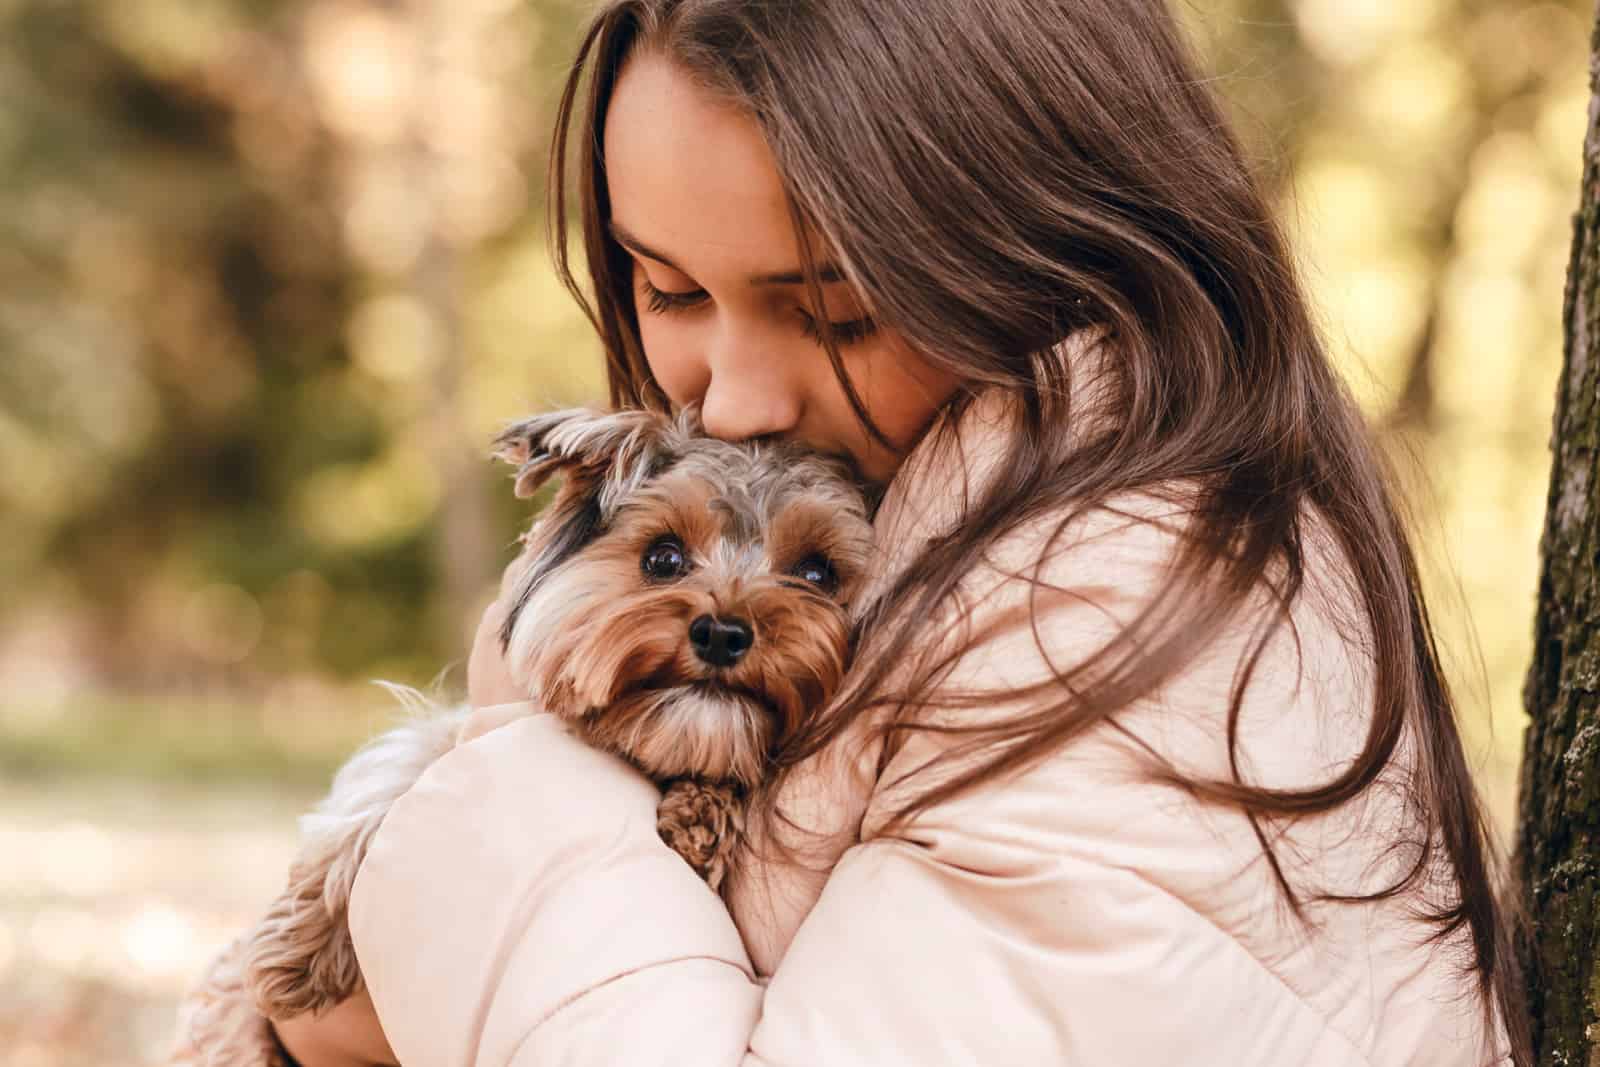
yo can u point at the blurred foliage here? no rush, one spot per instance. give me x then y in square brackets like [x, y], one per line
[268, 281]
[272, 273]
[1430, 158]
[196, 741]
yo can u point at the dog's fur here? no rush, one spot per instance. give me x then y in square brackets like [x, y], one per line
[656, 528]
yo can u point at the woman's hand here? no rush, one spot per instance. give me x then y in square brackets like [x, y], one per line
[489, 681]
[346, 1035]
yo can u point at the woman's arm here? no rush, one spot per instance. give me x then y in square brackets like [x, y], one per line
[520, 874]
[517, 909]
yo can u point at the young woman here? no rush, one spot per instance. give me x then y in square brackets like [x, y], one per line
[1147, 756]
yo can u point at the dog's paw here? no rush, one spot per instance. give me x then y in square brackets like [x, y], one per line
[702, 822]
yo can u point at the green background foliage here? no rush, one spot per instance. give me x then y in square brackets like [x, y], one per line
[271, 275]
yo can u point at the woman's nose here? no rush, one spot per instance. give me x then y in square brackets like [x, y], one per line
[745, 398]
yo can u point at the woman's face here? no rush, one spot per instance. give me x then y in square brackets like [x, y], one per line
[724, 316]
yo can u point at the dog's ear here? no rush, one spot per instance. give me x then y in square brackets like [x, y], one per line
[602, 457]
[613, 452]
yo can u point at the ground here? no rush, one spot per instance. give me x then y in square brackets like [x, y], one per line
[113, 895]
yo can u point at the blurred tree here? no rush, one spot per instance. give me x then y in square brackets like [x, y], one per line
[272, 273]
[244, 252]
[1559, 842]
[160, 301]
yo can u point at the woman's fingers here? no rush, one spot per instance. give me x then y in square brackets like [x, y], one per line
[513, 573]
[489, 680]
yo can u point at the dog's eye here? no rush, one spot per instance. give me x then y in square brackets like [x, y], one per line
[664, 560]
[816, 570]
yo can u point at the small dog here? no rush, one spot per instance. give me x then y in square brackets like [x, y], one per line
[686, 606]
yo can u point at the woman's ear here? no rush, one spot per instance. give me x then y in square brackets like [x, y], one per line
[611, 452]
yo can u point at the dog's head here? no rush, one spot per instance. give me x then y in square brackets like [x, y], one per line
[687, 599]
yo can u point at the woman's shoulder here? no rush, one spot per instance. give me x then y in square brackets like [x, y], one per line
[1275, 695]
[1058, 590]
[1079, 587]
[1049, 598]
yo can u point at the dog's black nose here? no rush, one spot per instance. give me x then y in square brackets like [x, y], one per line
[720, 642]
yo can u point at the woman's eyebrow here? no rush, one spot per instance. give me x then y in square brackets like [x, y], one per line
[827, 273]
[633, 244]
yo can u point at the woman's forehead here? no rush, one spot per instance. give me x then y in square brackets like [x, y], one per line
[691, 176]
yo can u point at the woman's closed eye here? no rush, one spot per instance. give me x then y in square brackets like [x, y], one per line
[661, 301]
[844, 333]
[666, 301]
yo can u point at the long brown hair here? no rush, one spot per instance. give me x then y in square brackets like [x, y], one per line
[992, 178]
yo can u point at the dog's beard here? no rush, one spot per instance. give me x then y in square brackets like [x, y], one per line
[618, 663]
[701, 729]
[638, 690]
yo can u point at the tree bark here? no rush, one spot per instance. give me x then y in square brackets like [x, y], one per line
[1558, 847]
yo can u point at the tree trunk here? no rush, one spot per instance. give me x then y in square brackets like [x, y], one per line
[1558, 843]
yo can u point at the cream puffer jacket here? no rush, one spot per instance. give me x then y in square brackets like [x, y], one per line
[517, 908]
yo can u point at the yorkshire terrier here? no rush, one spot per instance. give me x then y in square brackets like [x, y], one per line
[686, 605]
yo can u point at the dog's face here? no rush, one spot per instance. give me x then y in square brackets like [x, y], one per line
[687, 600]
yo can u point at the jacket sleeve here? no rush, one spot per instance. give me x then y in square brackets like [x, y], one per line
[516, 908]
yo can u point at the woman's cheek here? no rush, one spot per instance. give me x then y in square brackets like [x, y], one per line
[668, 349]
[901, 390]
